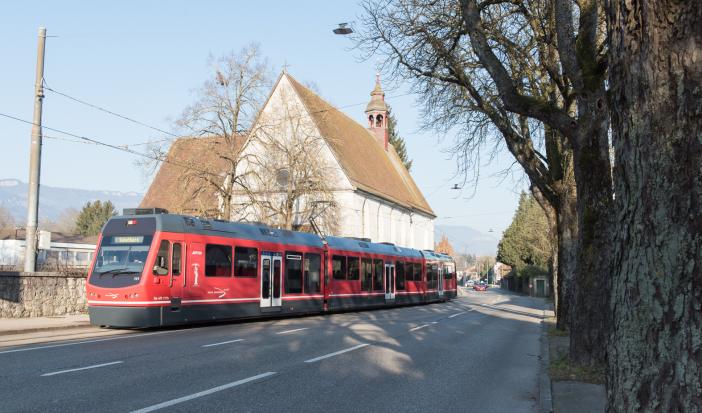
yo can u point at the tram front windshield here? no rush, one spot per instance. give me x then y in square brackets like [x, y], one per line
[120, 260]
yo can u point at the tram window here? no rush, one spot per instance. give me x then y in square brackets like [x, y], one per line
[293, 272]
[378, 275]
[366, 274]
[417, 271]
[409, 273]
[400, 275]
[161, 264]
[448, 274]
[245, 262]
[177, 258]
[218, 260]
[339, 267]
[353, 268]
[432, 276]
[312, 266]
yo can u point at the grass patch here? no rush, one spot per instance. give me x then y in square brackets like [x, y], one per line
[555, 332]
[562, 369]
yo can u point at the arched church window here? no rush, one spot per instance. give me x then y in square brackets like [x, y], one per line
[370, 121]
[379, 121]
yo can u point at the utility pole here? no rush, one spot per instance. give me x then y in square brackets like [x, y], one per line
[30, 257]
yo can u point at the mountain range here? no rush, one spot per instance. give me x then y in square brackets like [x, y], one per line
[54, 200]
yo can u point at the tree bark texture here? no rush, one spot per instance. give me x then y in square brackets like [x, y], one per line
[655, 351]
[589, 323]
[567, 235]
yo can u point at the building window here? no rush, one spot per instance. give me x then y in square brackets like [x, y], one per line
[293, 273]
[353, 267]
[366, 274]
[245, 262]
[218, 260]
[312, 270]
[400, 275]
[161, 264]
[378, 275]
[338, 267]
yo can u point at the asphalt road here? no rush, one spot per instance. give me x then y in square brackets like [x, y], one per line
[477, 353]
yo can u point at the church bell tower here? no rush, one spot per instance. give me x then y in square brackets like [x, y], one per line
[377, 114]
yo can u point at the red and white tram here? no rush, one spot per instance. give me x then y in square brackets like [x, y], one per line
[158, 269]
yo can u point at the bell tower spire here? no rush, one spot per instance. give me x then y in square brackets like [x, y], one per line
[377, 114]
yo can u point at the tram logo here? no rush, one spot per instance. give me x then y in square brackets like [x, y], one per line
[196, 266]
[112, 295]
[219, 292]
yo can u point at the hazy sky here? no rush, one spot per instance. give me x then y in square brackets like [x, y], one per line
[144, 59]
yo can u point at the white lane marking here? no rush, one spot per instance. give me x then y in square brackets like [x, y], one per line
[422, 326]
[292, 331]
[179, 400]
[81, 368]
[457, 314]
[89, 341]
[223, 342]
[336, 353]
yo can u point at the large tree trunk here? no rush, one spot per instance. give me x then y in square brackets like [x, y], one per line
[567, 236]
[590, 321]
[655, 352]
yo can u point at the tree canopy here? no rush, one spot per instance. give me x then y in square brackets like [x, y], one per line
[526, 242]
[93, 216]
[397, 141]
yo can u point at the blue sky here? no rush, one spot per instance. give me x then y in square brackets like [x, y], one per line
[144, 59]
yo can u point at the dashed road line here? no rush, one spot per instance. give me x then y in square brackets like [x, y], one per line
[336, 353]
[203, 393]
[224, 342]
[457, 314]
[88, 341]
[292, 331]
[81, 368]
[422, 326]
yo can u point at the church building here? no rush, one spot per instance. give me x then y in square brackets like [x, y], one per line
[373, 194]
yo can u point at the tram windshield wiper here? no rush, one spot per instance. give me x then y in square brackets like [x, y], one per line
[115, 271]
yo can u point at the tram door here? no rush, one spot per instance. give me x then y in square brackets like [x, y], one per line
[177, 279]
[389, 282]
[440, 281]
[271, 279]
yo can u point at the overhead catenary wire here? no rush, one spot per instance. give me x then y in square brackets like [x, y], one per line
[174, 135]
[127, 118]
[124, 148]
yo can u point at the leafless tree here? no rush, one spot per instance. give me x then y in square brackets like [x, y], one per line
[224, 109]
[65, 223]
[7, 221]
[509, 70]
[287, 182]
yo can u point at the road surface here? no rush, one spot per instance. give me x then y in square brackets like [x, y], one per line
[476, 353]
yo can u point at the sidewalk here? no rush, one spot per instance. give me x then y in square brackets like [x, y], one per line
[566, 394]
[9, 326]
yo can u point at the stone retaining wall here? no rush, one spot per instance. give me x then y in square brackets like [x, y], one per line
[41, 294]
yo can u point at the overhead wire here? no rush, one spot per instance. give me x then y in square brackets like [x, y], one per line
[173, 135]
[123, 148]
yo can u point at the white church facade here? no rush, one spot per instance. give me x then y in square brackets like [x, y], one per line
[374, 195]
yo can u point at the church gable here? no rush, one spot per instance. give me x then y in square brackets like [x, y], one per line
[364, 160]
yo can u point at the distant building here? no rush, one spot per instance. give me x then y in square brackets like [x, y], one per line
[56, 250]
[375, 194]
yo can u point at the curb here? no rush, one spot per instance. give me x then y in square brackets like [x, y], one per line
[41, 329]
[545, 397]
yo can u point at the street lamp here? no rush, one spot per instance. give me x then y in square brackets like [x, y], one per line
[343, 29]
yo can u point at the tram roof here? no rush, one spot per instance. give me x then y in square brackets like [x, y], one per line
[263, 233]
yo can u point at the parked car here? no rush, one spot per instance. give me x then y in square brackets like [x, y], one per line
[480, 286]
[470, 283]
